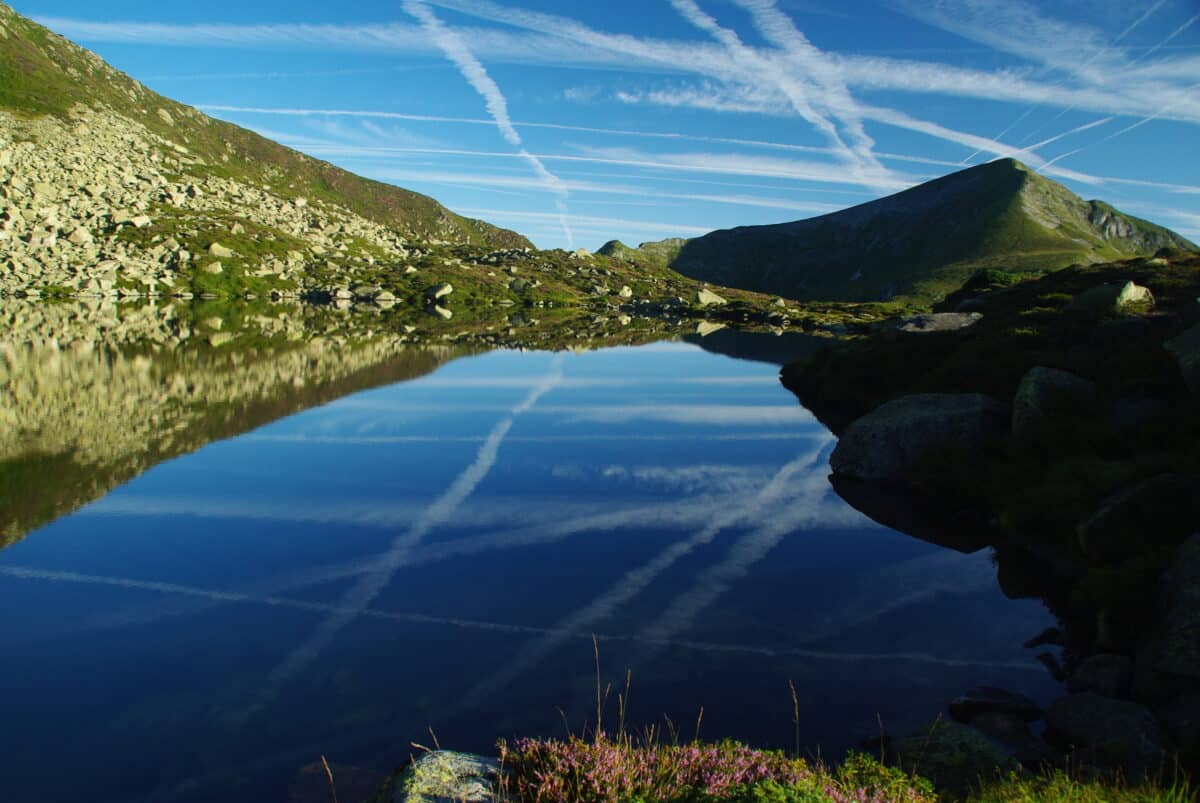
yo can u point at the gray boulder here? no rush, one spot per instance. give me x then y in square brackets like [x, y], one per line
[887, 443]
[706, 298]
[1105, 674]
[1160, 511]
[1186, 351]
[1168, 661]
[954, 756]
[939, 322]
[1108, 733]
[1045, 394]
[447, 777]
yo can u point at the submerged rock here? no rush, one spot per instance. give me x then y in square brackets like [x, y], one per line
[989, 699]
[939, 322]
[888, 443]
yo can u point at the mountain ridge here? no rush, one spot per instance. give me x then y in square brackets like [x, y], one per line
[924, 241]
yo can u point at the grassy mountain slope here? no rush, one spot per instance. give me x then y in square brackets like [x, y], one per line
[658, 254]
[42, 73]
[927, 240]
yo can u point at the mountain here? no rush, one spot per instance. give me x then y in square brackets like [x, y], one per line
[925, 241]
[656, 254]
[96, 169]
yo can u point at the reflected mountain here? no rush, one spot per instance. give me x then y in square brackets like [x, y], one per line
[774, 349]
[93, 395]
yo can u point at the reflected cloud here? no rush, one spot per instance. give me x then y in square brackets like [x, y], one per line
[706, 414]
[637, 580]
[380, 575]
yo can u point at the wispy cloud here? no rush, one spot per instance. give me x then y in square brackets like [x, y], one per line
[456, 49]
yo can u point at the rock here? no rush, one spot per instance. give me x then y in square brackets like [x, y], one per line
[213, 268]
[706, 328]
[219, 251]
[518, 285]
[442, 312]
[987, 699]
[624, 320]
[140, 221]
[1158, 512]
[446, 777]
[439, 291]
[954, 756]
[1181, 719]
[888, 443]
[1105, 674]
[220, 339]
[300, 203]
[1013, 732]
[1045, 394]
[706, 298]
[1107, 733]
[1186, 351]
[625, 292]
[1112, 299]
[80, 236]
[1168, 661]
[939, 322]
[237, 228]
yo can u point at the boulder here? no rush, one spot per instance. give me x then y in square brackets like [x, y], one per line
[954, 756]
[887, 443]
[447, 777]
[939, 322]
[706, 298]
[219, 251]
[706, 328]
[442, 312]
[625, 292]
[213, 268]
[987, 699]
[1159, 512]
[1181, 718]
[1186, 351]
[1105, 674]
[1113, 734]
[1112, 299]
[1045, 394]
[80, 236]
[1168, 661]
[439, 291]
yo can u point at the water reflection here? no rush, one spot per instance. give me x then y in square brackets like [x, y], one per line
[440, 551]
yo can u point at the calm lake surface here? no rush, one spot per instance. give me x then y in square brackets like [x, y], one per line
[439, 553]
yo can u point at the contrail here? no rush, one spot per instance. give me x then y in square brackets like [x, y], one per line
[637, 580]
[475, 624]
[457, 51]
[441, 510]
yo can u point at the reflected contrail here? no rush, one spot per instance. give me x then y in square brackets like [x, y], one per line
[499, 627]
[380, 575]
[636, 581]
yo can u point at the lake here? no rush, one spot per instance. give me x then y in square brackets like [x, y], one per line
[222, 568]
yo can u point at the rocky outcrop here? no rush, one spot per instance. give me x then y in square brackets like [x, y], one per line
[1186, 351]
[1159, 512]
[1108, 733]
[443, 776]
[1046, 394]
[938, 322]
[1112, 299]
[887, 444]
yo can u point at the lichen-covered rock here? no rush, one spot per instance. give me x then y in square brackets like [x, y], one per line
[448, 777]
[1045, 394]
[1186, 351]
[887, 443]
[1108, 733]
[1112, 299]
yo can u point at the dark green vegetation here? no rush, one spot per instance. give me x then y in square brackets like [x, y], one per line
[43, 74]
[1142, 424]
[926, 241]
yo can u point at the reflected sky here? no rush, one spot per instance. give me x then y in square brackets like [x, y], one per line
[441, 552]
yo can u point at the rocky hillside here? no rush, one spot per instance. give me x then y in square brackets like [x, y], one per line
[106, 185]
[925, 241]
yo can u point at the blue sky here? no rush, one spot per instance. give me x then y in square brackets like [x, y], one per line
[579, 122]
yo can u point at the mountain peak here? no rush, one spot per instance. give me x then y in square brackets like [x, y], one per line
[927, 240]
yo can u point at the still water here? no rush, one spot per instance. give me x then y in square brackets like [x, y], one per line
[438, 553]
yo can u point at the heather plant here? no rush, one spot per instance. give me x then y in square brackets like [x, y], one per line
[608, 771]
